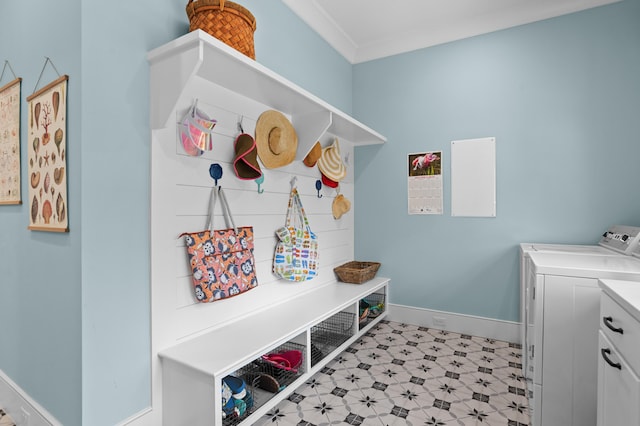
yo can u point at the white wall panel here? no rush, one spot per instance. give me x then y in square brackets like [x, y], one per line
[181, 189]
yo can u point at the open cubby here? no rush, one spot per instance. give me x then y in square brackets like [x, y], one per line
[330, 334]
[370, 308]
[264, 379]
[272, 376]
[249, 402]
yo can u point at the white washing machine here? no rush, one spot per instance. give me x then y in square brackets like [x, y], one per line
[618, 240]
[563, 308]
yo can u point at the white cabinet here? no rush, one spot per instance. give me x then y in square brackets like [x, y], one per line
[619, 356]
[562, 337]
[618, 388]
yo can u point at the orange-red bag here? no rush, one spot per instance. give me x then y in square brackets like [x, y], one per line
[222, 262]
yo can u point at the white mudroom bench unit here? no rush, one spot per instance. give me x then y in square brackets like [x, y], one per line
[194, 345]
[321, 324]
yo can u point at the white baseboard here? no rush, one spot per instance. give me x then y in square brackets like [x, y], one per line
[21, 407]
[507, 331]
[144, 417]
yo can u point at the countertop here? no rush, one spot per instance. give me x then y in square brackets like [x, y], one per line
[625, 293]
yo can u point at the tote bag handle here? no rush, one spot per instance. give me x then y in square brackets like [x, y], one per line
[216, 192]
[295, 212]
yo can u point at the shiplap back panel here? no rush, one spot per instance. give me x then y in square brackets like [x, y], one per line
[179, 203]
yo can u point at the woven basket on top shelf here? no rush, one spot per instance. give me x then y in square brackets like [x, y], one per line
[356, 272]
[227, 21]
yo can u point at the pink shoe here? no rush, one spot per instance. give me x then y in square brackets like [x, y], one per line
[288, 360]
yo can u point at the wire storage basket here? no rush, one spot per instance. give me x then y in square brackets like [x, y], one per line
[229, 22]
[237, 408]
[272, 372]
[330, 334]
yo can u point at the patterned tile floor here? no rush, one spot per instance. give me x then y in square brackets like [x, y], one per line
[5, 419]
[400, 374]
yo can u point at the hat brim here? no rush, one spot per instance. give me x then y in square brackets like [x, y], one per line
[340, 206]
[313, 155]
[267, 122]
[196, 132]
[190, 147]
[245, 163]
[330, 163]
[329, 182]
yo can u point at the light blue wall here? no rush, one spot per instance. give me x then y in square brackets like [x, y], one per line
[289, 47]
[562, 97]
[74, 308]
[40, 284]
[115, 194]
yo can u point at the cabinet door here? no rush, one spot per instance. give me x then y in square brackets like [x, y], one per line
[618, 388]
[569, 358]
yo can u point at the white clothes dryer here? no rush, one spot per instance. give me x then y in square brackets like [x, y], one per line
[562, 321]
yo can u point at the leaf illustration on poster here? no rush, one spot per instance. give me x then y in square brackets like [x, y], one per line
[425, 182]
[10, 143]
[47, 158]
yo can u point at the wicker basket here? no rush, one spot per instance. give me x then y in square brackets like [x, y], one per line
[228, 22]
[356, 272]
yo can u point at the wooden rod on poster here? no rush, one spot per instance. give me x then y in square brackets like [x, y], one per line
[11, 83]
[47, 87]
[42, 228]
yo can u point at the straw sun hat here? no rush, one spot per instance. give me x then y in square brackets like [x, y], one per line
[331, 165]
[340, 206]
[276, 139]
[313, 155]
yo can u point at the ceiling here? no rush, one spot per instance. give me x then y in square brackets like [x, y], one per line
[362, 30]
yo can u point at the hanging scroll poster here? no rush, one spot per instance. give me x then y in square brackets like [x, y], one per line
[47, 154]
[10, 143]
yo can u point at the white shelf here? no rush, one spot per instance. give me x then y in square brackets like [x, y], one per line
[197, 55]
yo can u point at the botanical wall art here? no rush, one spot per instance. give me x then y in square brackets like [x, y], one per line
[10, 143]
[47, 154]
